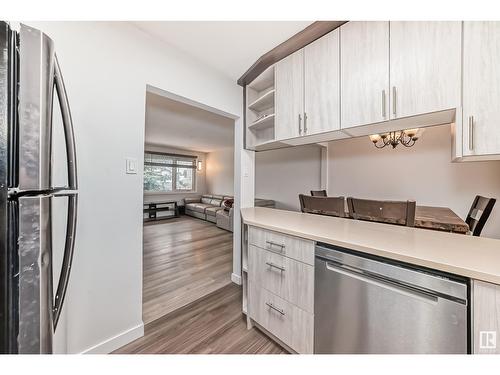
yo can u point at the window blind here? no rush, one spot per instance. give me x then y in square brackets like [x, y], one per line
[169, 160]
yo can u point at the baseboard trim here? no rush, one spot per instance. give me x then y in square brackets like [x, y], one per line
[236, 278]
[116, 342]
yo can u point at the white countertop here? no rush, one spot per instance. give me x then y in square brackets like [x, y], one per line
[474, 257]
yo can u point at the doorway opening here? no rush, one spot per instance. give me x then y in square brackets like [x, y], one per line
[188, 198]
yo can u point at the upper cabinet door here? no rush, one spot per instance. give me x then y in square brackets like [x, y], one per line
[322, 85]
[425, 71]
[289, 102]
[481, 88]
[365, 73]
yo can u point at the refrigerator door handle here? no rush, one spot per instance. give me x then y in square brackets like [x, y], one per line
[68, 126]
[69, 249]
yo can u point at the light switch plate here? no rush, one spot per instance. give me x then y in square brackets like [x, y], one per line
[131, 166]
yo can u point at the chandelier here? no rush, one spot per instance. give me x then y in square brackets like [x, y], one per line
[406, 137]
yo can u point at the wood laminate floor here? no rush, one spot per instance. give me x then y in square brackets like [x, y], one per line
[184, 259]
[212, 324]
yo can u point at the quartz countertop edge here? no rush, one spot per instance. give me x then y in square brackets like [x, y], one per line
[474, 257]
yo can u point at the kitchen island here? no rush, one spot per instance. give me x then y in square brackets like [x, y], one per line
[270, 231]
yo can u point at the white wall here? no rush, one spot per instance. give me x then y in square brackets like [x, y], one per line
[106, 67]
[423, 172]
[220, 171]
[201, 185]
[285, 173]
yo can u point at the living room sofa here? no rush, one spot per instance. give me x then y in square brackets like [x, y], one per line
[210, 207]
[205, 207]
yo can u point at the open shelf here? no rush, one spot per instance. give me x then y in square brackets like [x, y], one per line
[260, 111]
[263, 123]
[263, 81]
[264, 102]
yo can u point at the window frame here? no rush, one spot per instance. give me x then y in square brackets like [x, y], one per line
[175, 167]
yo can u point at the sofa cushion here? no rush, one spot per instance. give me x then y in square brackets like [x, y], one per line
[216, 202]
[192, 200]
[212, 211]
[219, 197]
[200, 207]
[190, 206]
[206, 199]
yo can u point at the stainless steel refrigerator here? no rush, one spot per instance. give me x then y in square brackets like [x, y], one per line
[33, 104]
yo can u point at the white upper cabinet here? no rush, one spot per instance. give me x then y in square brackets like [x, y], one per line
[425, 69]
[372, 77]
[364, 73]
[481, 88]
[289, 102]
[322, 85]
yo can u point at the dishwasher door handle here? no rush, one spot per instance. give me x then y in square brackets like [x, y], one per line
[383, 282]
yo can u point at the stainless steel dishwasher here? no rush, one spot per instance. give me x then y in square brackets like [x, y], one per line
[367, 304]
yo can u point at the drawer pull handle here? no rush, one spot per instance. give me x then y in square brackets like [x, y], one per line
[272, 265]
[281, 311]
[280, 245]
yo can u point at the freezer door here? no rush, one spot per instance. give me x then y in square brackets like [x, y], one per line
[35, 275]
[39, 75]
[40, 303]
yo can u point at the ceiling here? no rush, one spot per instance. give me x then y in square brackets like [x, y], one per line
[175, 124]
[229, 47]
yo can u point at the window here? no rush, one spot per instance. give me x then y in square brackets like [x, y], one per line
[169, 173]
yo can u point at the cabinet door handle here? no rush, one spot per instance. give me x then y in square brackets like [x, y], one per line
[300, 124]
[471, 133]
[272, 265]
[383, 104]
[305, 123]
[394, 100]
[281, 311]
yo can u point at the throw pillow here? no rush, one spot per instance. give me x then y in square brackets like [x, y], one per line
[228, 204]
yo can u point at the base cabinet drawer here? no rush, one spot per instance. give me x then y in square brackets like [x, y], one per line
[284, 320]
[287, 278]
[293, 247]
